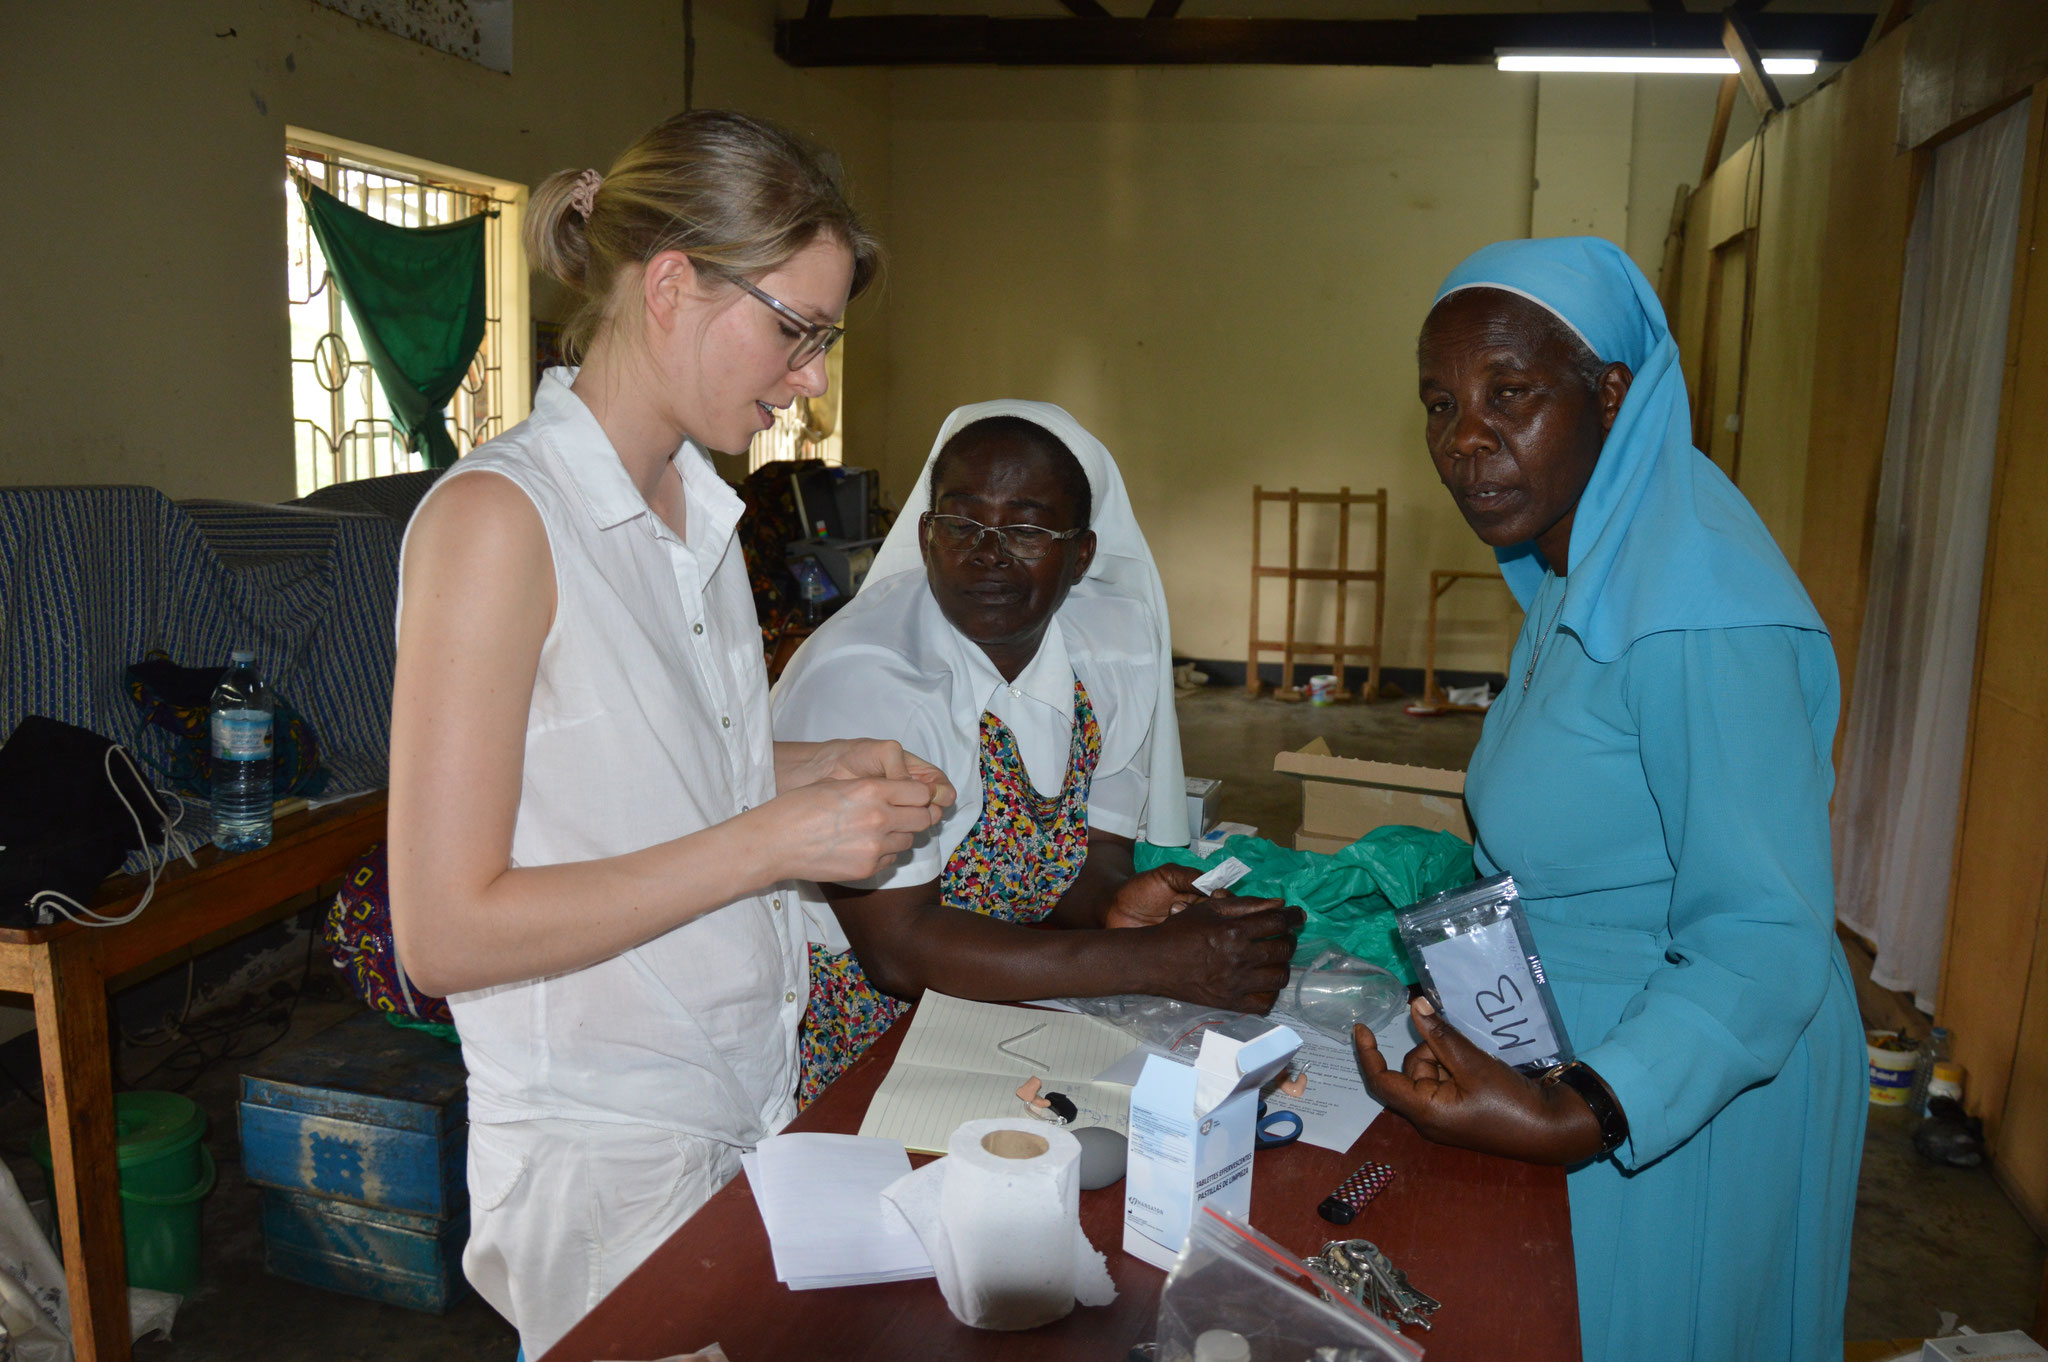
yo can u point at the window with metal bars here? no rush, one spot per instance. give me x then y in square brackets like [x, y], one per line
[341, 422]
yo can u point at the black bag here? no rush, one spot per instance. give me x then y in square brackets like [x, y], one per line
[70, 803]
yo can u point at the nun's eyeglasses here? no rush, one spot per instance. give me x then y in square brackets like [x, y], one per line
[1025, 543]
[816, 337]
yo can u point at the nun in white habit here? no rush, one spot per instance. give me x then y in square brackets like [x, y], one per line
[1013, 631]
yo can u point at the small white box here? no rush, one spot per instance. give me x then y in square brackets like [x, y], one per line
[2010, 1346]
[1202, 799]
[1193, 1130]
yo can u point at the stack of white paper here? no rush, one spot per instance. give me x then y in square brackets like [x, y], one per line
[821, 1200]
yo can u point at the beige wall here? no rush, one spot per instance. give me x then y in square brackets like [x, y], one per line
[1221, 272]
[142, 253]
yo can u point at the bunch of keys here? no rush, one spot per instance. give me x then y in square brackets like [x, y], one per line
[1362, 1272]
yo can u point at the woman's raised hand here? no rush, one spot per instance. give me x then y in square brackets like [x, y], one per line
[1149, 898]
[1226, 952]
[800, 764]
[1457, 1094]
[838, 831]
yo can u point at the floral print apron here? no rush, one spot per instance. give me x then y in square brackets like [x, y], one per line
[1024, 852]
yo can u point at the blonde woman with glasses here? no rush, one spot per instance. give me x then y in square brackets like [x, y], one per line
[590, 820]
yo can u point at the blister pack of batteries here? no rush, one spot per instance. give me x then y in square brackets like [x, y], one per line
[1475, 958]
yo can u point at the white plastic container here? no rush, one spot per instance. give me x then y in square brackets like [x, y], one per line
[1891, 1071]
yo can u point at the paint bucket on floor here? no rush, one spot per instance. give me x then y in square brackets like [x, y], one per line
[1891, 1068]
[165, 1171]
[1322, 689]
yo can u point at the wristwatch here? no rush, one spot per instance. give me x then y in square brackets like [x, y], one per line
[1581, 1079]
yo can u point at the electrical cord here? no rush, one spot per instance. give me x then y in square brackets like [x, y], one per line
[214, 1040]
[158, 856]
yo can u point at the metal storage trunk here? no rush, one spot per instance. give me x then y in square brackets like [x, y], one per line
[358, 1139]
[364, 1112]
[409, 1260]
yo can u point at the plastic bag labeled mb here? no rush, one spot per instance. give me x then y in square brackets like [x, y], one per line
[1474, 956]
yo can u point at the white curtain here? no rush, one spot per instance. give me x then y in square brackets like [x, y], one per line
[1902, 760]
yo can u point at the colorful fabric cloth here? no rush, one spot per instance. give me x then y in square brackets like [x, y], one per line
[357, 938]
[179, 700]
[1656, 777]
[1025, 852]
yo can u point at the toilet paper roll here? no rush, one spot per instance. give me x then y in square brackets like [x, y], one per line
[1000, 1217]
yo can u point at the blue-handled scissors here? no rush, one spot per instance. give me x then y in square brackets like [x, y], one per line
[1276, 1129]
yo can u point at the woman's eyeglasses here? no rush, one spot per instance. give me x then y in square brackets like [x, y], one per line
[1026, 543]
[816, 337]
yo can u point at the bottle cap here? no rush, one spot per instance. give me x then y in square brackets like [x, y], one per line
[1948, 1071]
[1222, 1345]
[242, 655]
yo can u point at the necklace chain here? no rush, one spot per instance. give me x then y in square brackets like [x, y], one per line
[1536, 652]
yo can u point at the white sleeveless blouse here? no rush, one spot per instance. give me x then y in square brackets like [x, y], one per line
[649, 721]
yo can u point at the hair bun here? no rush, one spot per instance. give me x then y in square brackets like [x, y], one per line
[557, 225]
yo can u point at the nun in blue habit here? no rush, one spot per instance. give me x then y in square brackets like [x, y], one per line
[1656, 777]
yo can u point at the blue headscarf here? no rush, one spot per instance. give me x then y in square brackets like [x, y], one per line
[1661, 539]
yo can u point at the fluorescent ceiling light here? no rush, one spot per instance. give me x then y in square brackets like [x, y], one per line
[1644, 63]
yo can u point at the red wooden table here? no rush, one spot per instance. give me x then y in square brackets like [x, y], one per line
[68, 970]
[1488, 1237]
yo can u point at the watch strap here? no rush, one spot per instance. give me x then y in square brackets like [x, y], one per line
[1583, 1080]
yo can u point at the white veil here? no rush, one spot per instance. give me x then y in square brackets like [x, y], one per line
[1123, 569]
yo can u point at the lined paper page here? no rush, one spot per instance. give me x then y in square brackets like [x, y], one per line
[963, 1061]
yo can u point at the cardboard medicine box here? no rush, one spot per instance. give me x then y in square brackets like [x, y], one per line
[1203, 796]
[1193, 1130]
[1344, 798]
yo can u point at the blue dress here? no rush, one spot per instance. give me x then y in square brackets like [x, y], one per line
[1665, 814]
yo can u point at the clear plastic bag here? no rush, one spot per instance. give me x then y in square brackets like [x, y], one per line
[1336, 989]
[1326, 996]
[1230, 1277]
[1474, 956]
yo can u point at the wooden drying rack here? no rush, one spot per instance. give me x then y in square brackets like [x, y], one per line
[1343, 575]
[1440, 581]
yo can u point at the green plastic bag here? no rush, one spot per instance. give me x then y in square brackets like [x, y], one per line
[1350, 896]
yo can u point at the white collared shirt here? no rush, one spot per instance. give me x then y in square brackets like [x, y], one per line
[901, 671]
[649, 721]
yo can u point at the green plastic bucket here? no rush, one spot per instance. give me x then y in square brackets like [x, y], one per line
[165, 1170]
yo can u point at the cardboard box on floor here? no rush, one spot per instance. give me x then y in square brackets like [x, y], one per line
[1344, 798]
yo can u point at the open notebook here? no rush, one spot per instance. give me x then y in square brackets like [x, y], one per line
[963, 1061]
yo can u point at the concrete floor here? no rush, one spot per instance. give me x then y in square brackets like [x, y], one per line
[1927, 1239]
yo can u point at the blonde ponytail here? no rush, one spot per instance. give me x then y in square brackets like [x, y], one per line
[739, 195]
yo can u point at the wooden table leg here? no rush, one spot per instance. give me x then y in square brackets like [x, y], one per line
[78, 1084]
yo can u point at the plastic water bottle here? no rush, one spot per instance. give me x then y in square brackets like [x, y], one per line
[814, 596]
[1933, 1051]
[241, 756]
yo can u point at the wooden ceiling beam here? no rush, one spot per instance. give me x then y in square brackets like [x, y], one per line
[1431, 40]
[1749, 63]
[1163, 9]
[1087, 9]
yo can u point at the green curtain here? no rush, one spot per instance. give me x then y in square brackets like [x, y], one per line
[417, 294]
